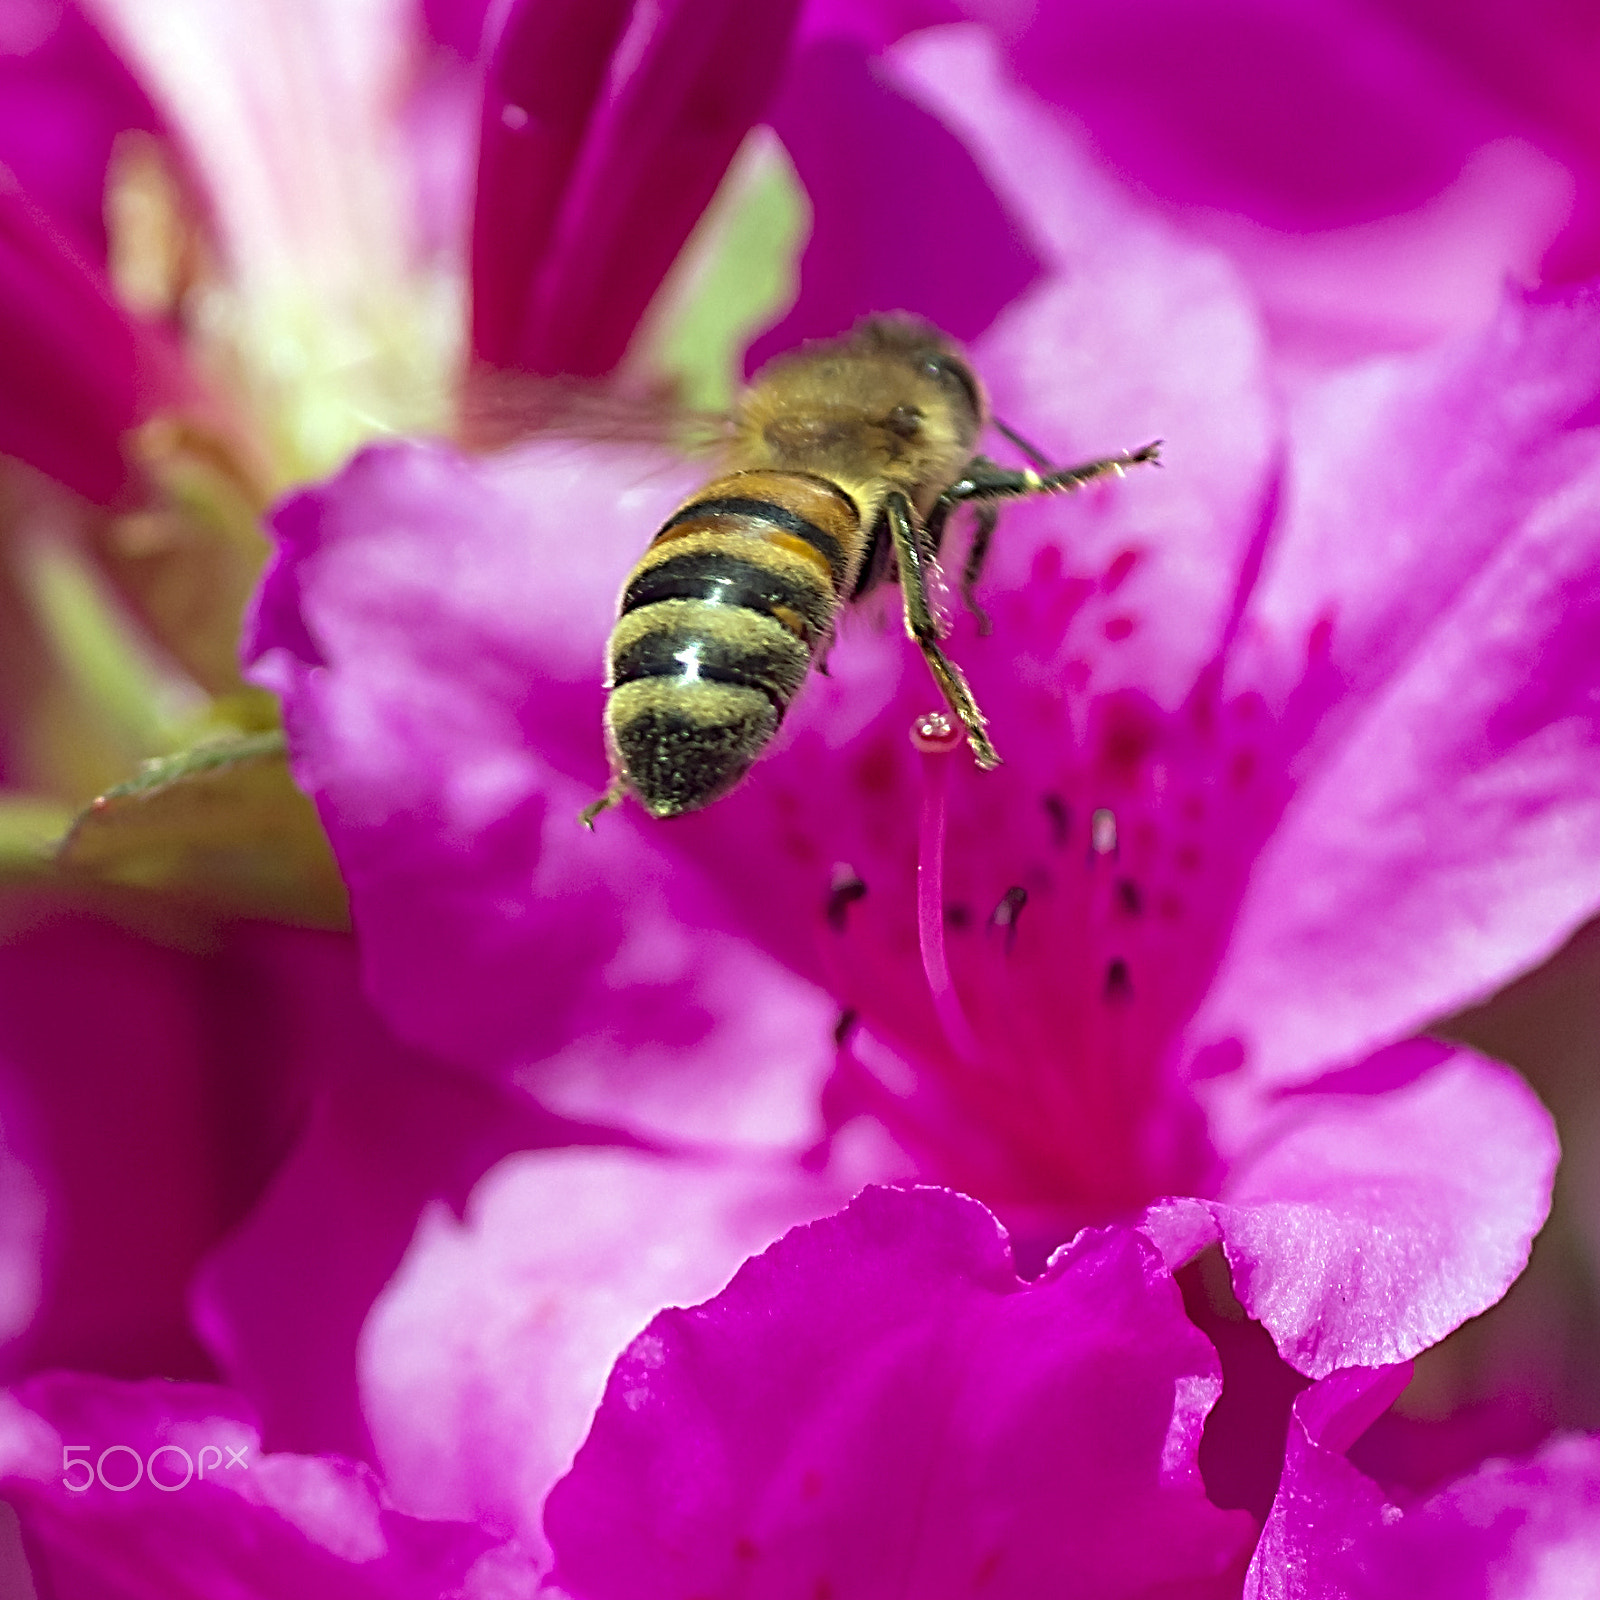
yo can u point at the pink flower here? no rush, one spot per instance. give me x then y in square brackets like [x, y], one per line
[129, 1489]
[1272, 801]
[1524, 1527]
[1298, 740]
[1376, 171]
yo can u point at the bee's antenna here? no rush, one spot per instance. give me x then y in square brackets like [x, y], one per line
[1032, 452]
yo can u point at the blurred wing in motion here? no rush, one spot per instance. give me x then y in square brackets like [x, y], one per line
[499, 408]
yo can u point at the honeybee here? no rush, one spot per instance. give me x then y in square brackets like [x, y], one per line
[845, 460]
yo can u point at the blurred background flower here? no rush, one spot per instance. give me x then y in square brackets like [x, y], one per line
[238, 243]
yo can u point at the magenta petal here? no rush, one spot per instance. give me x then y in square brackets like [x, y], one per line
[687, 82]
[279, 1303]
[76, 372]
[147, 1096]
[877, 1405]
[1521, 1530]
[64, 98]
[544, 78]
[484, 1359]
[435, 627]
[1366, 1217]
[206, 1514]
[1446, 829]
[1324, 1508]
[869, 244]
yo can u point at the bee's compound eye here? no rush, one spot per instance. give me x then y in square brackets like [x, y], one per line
[954, 375]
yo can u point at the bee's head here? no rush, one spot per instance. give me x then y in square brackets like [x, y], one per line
[921, 346]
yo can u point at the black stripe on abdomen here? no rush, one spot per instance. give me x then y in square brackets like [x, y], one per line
[728, 580]
[771, 513]
[697, 643]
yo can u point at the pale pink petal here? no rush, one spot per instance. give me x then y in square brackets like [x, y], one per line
[484, 1360]
[169, 1493]
[1431, 614]
[1514, 1530]
[286, 108]
[1368, 1215]
[435, 627]
[1138, 334]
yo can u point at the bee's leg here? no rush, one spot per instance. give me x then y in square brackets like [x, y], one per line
[985, 482]
[612, 797]
[920, 624]
[980, 468]
[982, 480]
[987, 517]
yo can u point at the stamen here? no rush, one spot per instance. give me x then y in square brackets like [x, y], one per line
[935, 736]
[1006, 913]
[844, 889]
[1103, 832]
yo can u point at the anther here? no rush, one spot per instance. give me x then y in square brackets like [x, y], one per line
[935, 734]
[1103, 832]
[844, 889]
[1006, 913]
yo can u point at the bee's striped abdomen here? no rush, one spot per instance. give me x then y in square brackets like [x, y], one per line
[718, 627]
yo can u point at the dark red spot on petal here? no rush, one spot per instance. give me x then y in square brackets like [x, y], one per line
[1047, 565]
[1129, 732]
[1187, 857]
[1060, 815]
[877, 771]
[1118, 627]
[1320, 640]
[1116, 573]
[1242, 768]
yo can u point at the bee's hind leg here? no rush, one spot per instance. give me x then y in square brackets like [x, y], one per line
[920, 624]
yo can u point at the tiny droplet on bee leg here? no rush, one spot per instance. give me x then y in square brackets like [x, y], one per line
[935, 734]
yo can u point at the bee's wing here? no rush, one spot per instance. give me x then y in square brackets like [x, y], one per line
[500, 408]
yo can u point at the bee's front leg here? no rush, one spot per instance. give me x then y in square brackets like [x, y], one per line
[920, 624]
